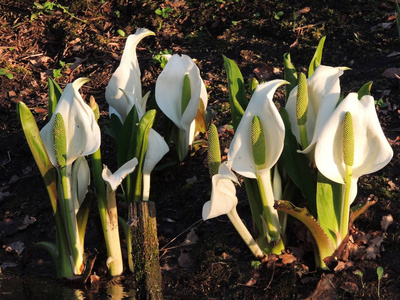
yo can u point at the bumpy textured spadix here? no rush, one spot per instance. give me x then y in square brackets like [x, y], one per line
[213, 150]
[302, 100]
[348, 139]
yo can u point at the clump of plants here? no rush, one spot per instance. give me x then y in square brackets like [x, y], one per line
[312, 150]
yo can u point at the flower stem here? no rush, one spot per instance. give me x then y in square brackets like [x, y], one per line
[269, 213]
[344, 216]
[69, 215]
[303, 136]
[244, 233]
[111, 235]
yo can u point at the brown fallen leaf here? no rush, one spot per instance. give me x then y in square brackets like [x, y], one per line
[253, 280]
[392, 73]
[373, 250]
[185, 260]
[386, 221]
[325, 289]
[287, 258]
[350, 287]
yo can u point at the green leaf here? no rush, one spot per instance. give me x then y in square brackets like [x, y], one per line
[116, 127]
[379, 272]
[329, 199]
[121, 32]
[324, 244]
[316, 60]
[133, 142]
[237, 93]
[126, 139]
[289, 74]
[253, 84]
[55, 93]
[38, 150]
[297, 165]
[365, 90]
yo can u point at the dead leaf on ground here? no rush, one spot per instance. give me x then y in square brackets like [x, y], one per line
[325, 289]
[17, 247]
[253, 280]
[386, 221]
[392, 73]
[350, 287]
[191, 237]
[41, 61]
[265, 72]
[373, 250]
[185, 260]
[287, 258]
[26, 222]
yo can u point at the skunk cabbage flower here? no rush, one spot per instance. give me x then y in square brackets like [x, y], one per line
[81, 130]
[257, 146]
[179, 89]
[127, 77]
[223, 194]
[323, 95]
[240, 151]
[369, 151]
[224, 201]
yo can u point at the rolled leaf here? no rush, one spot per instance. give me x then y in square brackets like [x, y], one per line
[39, 153]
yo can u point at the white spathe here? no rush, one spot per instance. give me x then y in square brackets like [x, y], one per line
[114, 180]
[323, 95]
[126, 76]
[240, 151]
[82, 131]
[371, 149]
[169, 92]
[223, 194]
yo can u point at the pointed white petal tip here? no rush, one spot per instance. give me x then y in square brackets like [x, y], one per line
[77, 84]
[114, 180]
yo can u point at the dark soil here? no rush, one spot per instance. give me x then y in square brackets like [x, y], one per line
[360, 34]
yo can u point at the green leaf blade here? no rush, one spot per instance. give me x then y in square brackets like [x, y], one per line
[39, 153]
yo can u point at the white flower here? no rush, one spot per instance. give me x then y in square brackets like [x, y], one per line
[81, 129]
[127, 77]
[323, 95]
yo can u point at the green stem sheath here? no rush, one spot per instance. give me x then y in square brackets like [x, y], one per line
[109, 217]
[345, 213]
[269, 214]
[303, 136]
[69, 215]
